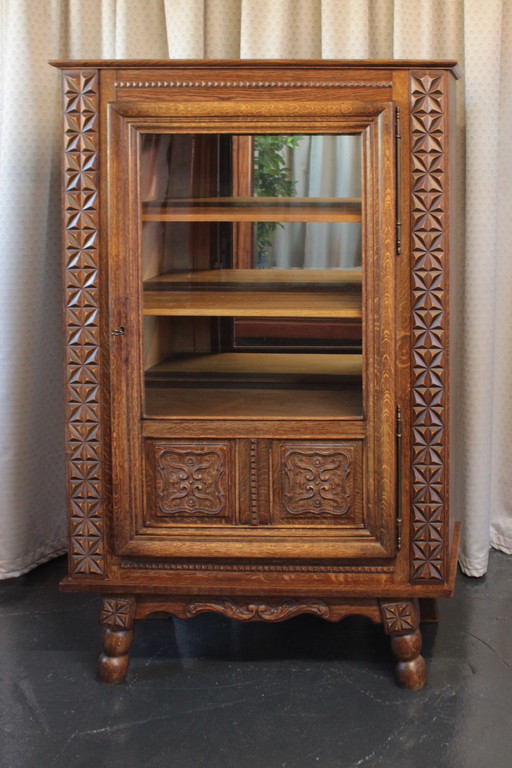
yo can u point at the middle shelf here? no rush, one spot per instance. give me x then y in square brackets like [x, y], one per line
[255, 293]
[310, 209]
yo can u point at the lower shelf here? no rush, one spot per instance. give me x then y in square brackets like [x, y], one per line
[334, 368]
[172, 402]
[255, 385]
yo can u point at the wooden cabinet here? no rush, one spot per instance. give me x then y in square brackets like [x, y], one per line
[256, 290]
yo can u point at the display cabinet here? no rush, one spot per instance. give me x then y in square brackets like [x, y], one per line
[256, 289]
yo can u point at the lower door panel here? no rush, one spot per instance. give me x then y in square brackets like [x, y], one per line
[256, 498]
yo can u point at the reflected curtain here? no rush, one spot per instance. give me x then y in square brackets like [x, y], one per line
[32, 521]
[321, 166]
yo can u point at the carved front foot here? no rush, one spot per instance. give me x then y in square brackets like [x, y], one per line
[401, 622]
[411, 671]
[116, 617]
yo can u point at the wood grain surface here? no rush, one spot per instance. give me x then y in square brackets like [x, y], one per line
[253, 484]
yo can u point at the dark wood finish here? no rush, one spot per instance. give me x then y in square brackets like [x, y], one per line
[296, 334]
[429, 611]
[401, 622]
[243, 181]
[429, 364]
[86, 380]
[258, 489]
[411, 671]
[116, 618]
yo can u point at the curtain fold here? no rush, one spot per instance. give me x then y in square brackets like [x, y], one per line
[321, 166]
[501, 449]
[32, 521]
[486, 350]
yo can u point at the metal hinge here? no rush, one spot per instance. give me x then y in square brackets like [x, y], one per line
[398, 477]
[398, 137]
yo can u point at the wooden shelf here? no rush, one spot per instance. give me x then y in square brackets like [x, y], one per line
[256, 385]
[255, 403]
[254, 209]
[229, 304]
[260, 367]
[273, 279]
[255, 293]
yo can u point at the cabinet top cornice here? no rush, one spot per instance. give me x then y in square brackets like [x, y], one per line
[245, 64]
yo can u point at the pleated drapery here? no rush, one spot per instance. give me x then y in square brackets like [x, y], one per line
[479, 36]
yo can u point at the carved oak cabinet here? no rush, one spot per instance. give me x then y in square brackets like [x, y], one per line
[256, 296]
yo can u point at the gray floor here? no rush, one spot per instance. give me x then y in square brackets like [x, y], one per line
[210, 692]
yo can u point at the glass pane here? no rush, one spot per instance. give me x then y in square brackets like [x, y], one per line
[323, 167]
[251, 262]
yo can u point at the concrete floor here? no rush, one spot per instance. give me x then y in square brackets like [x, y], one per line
[215, 693]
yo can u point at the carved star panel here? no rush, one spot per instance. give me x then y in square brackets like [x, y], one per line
[117, 612]
[83, 365]
[429, 249]
[399, 617]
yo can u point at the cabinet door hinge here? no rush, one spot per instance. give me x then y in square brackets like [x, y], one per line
[398, 477]
[398, 144]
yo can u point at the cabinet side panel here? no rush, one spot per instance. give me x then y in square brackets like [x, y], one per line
[83, 365]
[429, 252]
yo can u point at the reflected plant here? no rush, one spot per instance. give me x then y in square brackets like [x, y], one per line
[271, 179]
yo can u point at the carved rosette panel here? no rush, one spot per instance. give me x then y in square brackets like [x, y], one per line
[259, 611]
[429, 363]
[117, 612]
[83, 374]
[191, 480]
[399, 617]
[317, 481]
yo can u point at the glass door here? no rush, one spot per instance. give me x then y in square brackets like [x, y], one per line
[252, 392]
[252, 276]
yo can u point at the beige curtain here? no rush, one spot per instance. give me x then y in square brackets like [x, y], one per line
[479, 35]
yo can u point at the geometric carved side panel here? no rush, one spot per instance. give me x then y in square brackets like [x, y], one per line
[83, 364]
[429, 351]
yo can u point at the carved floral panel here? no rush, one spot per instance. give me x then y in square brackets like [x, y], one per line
[261, 611]
[192, 480]
[317, 481]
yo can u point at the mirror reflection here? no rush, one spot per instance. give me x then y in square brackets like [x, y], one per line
[321, 167]
[304, 177]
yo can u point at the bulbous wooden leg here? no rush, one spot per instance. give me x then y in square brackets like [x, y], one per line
[411, 671]
[401, 620]
[116, 617]
[113, 662]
